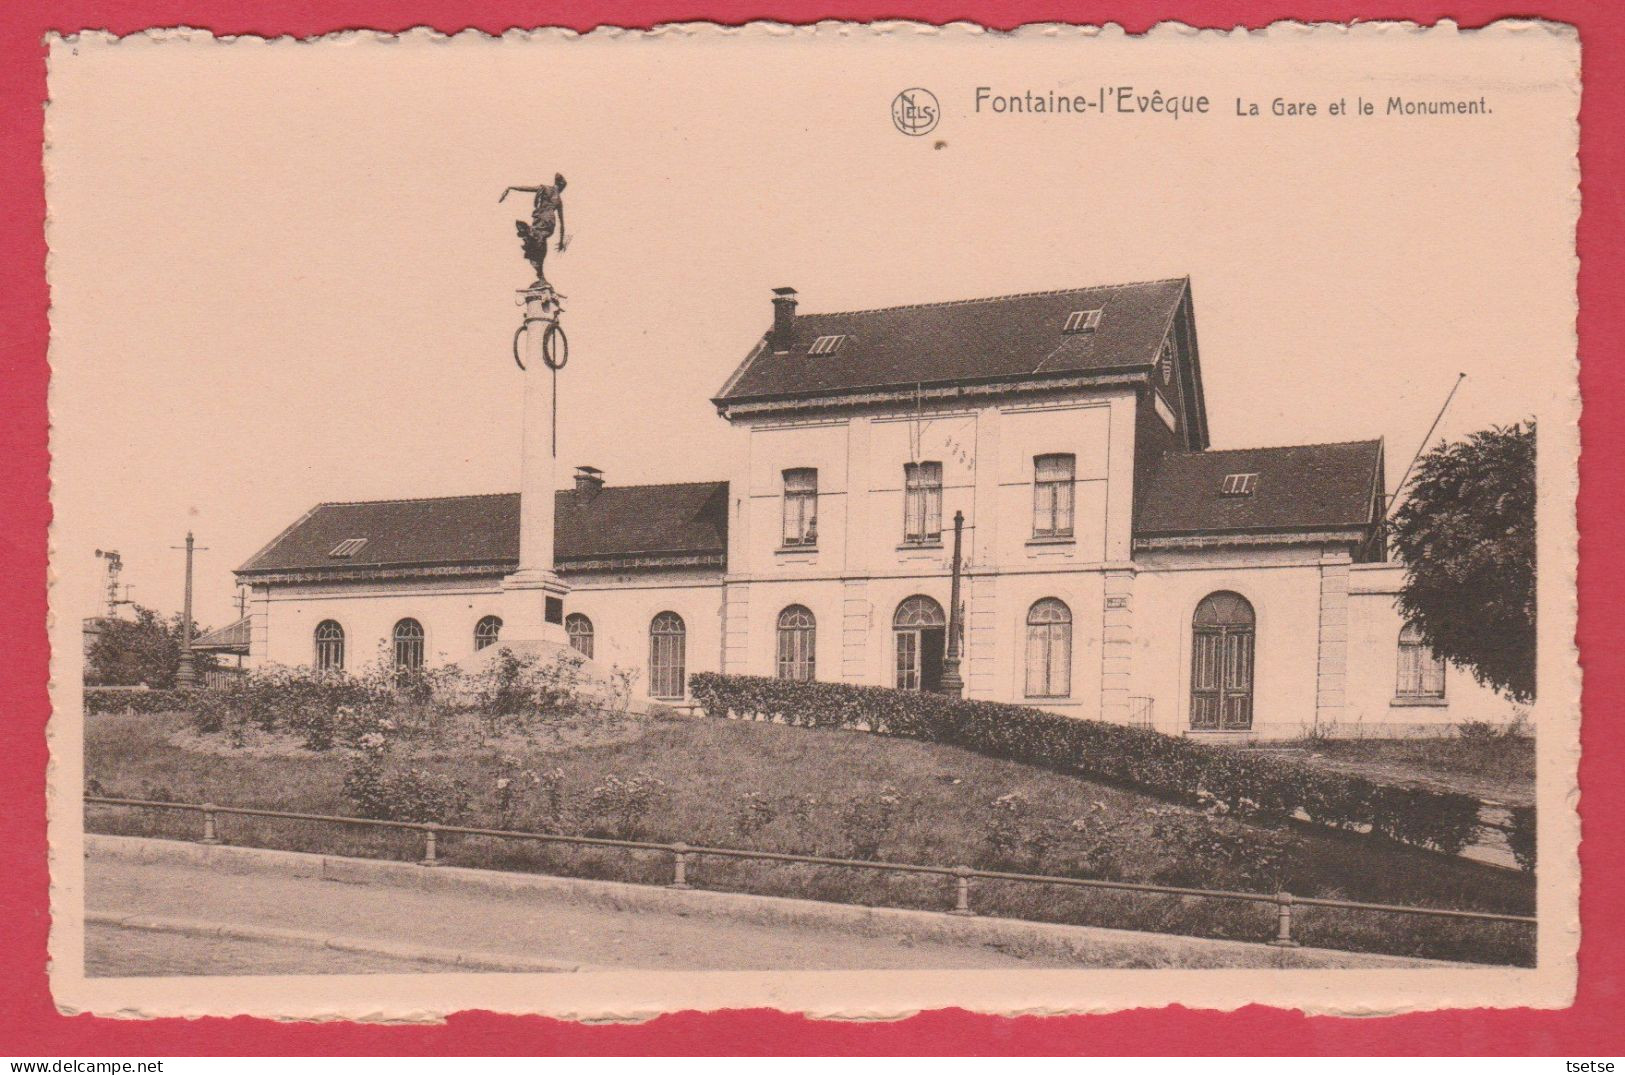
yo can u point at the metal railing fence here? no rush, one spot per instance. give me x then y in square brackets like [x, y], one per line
[683, 854]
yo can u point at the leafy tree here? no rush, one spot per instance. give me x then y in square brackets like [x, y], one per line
[147, 649]
[1466, 534]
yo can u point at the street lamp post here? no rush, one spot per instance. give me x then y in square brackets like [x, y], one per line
[951, 683]
[186, 675]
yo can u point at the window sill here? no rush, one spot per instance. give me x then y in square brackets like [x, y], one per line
[1048, 697]
[784, 550]
[1067, 540]
[1420, 702]
[916, 546]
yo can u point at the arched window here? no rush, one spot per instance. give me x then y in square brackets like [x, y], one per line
[487, 631]
[329, 646]
[1049, 649]
[667, 642]
[921, 632]
[1222, 663]
[797, 635]
[409, 644]
[579, 630]
[1421, 674]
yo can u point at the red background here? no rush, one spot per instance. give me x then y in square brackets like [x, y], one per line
[31, 1025]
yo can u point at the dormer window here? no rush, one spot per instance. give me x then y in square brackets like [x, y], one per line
[826, 345]
[1239, 484]
[347, 548]
[1081, 321]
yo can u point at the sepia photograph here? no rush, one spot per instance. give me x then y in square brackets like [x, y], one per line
[1045, 521]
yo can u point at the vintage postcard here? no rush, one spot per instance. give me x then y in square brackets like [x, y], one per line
[848, 518]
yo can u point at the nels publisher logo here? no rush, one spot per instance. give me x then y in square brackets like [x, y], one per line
[915, 111]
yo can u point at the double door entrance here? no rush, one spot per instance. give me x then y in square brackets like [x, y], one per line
[1222, 664]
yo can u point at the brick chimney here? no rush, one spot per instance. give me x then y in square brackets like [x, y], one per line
[784, 318]
[589, 482]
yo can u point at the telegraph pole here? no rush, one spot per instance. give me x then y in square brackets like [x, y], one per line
[186, 676]
[951, 683]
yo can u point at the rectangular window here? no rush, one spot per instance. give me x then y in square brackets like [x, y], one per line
[801, 507]
[922, 502]
[1421, 674]
[1049, 660]
[1052, 495]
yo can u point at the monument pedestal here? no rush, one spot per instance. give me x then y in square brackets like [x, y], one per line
[534, 609]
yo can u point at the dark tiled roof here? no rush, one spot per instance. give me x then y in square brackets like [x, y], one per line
[630, 520]
[1299, 487]
[994, 339]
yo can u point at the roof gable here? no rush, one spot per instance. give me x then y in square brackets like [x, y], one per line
[1298, 487]
[1011, 337]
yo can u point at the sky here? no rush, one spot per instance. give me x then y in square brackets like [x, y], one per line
[280, 273]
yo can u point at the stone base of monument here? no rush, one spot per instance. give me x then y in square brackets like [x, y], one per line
[595, 681]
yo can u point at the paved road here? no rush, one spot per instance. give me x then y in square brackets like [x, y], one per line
[484, 924]
[114, 952]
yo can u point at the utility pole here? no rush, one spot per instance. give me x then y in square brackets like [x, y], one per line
[951, 683]
[186, 676]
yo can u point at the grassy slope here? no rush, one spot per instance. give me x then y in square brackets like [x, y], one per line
[1501, 769]
[804, 780]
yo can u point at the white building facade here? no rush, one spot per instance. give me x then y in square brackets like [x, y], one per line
[1113, 565]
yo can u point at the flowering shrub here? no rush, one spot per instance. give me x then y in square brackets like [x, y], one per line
[522, 685]
[377, 791]
[867, 820]
[302, 701]
[1244, 782]
[1013, 836]
[753, 812]
[528, 795]
[618, 806]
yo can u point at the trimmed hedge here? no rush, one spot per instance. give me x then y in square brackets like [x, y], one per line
[1245, 782]
[137, 700]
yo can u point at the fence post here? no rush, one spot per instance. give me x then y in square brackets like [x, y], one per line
[1283, 921]
[430, 848]
[210, 836]
[962, 891]
[679, 866]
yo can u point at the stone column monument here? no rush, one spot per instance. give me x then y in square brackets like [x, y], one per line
[533, 619]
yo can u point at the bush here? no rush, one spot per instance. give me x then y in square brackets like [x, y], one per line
[1174, 768]
[515, 689]
[619, 806]
[137, 700]
[1521, 837]
[868, 820]
[417, 795]
[1013, 837]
